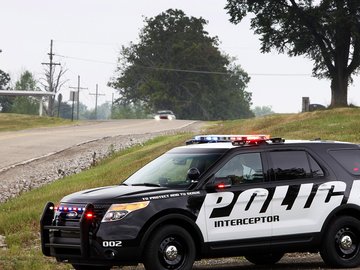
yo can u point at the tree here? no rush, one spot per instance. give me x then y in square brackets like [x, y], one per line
[262, 110]
[65, 110]
[25, 105]
[4, 80]
[26, 81]
[176, 65]
[5, 101]
[53, 82]
[128, 111]
[104, 111]
[326, 31]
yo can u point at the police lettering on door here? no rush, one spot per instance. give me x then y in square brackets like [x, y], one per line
[274, 211]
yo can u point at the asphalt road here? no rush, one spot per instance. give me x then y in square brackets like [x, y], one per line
[21, 146]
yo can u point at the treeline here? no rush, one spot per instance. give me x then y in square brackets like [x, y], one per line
[30, 105]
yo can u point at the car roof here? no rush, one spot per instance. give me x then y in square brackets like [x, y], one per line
[286, 143]
[165, 111]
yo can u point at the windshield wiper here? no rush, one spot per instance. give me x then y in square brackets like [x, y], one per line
[147, 185]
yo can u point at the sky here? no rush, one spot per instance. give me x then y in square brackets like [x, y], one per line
[88, 34]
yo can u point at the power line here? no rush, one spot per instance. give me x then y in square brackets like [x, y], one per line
[280, 74]
[87, 60]
[189, 70]
[88, 42]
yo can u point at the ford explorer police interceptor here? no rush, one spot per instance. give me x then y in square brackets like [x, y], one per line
[221, 195]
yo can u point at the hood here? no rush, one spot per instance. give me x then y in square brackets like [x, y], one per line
[109, 194]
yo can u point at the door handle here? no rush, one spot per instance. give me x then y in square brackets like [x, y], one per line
[326, 187]
[260, 193]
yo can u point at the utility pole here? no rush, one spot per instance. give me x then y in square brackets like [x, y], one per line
[51, 64]
[72, 98]
[96, 98]
[78, 95]
[112, 106]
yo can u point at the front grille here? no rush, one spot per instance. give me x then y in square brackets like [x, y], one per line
[66, 229]
[70, 214]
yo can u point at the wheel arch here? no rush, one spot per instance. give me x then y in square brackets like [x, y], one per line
[352, 210]
[173, 217]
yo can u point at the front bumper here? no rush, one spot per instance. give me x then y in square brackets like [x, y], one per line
[78, 243]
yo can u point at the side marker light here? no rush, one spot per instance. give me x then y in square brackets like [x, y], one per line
[221, 186]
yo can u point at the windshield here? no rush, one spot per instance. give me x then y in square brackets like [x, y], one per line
[170, 169]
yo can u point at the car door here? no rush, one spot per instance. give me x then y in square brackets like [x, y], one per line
[232, 210]
[303, 194]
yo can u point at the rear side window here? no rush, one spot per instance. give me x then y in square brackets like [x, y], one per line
[349, 159]
[287, 165]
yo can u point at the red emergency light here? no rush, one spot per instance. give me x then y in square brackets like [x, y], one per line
[249, 139]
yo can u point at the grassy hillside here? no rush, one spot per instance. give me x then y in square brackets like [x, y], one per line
[11, 122]
[338, 124]
[19, 218]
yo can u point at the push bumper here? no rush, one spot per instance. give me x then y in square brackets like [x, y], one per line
[78, 244]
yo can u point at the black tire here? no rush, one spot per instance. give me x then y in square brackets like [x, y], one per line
[90, 267]
[265, 259]
[170, 247]
[341, 243]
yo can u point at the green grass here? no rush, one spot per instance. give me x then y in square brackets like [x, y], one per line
[12, 122]
[19, 217]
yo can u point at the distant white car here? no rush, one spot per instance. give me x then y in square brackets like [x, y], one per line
[166, 114]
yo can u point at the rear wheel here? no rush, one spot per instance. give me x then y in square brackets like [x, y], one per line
[341, 243]
[265, 259]
[90, 267]
[170, 247]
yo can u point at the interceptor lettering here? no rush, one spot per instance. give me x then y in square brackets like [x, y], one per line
[245, 221]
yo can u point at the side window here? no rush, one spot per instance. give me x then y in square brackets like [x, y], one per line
[349, 159]
[289, 165]
[315, 168]
[243, 168]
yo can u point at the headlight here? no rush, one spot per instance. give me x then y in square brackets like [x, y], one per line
[157, 117]
[119, 211]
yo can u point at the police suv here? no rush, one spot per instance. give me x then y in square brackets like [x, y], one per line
[220, 195]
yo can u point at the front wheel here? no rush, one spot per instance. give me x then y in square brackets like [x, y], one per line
[341, 243]
[265, 259]
[170, 247]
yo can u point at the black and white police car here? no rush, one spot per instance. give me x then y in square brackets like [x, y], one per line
[221, 195]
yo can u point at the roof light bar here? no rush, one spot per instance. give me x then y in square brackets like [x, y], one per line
[249, 139]
[235, 139]
[210, 139]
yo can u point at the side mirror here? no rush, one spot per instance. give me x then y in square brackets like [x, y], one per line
[193, 174]
[219, 184]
